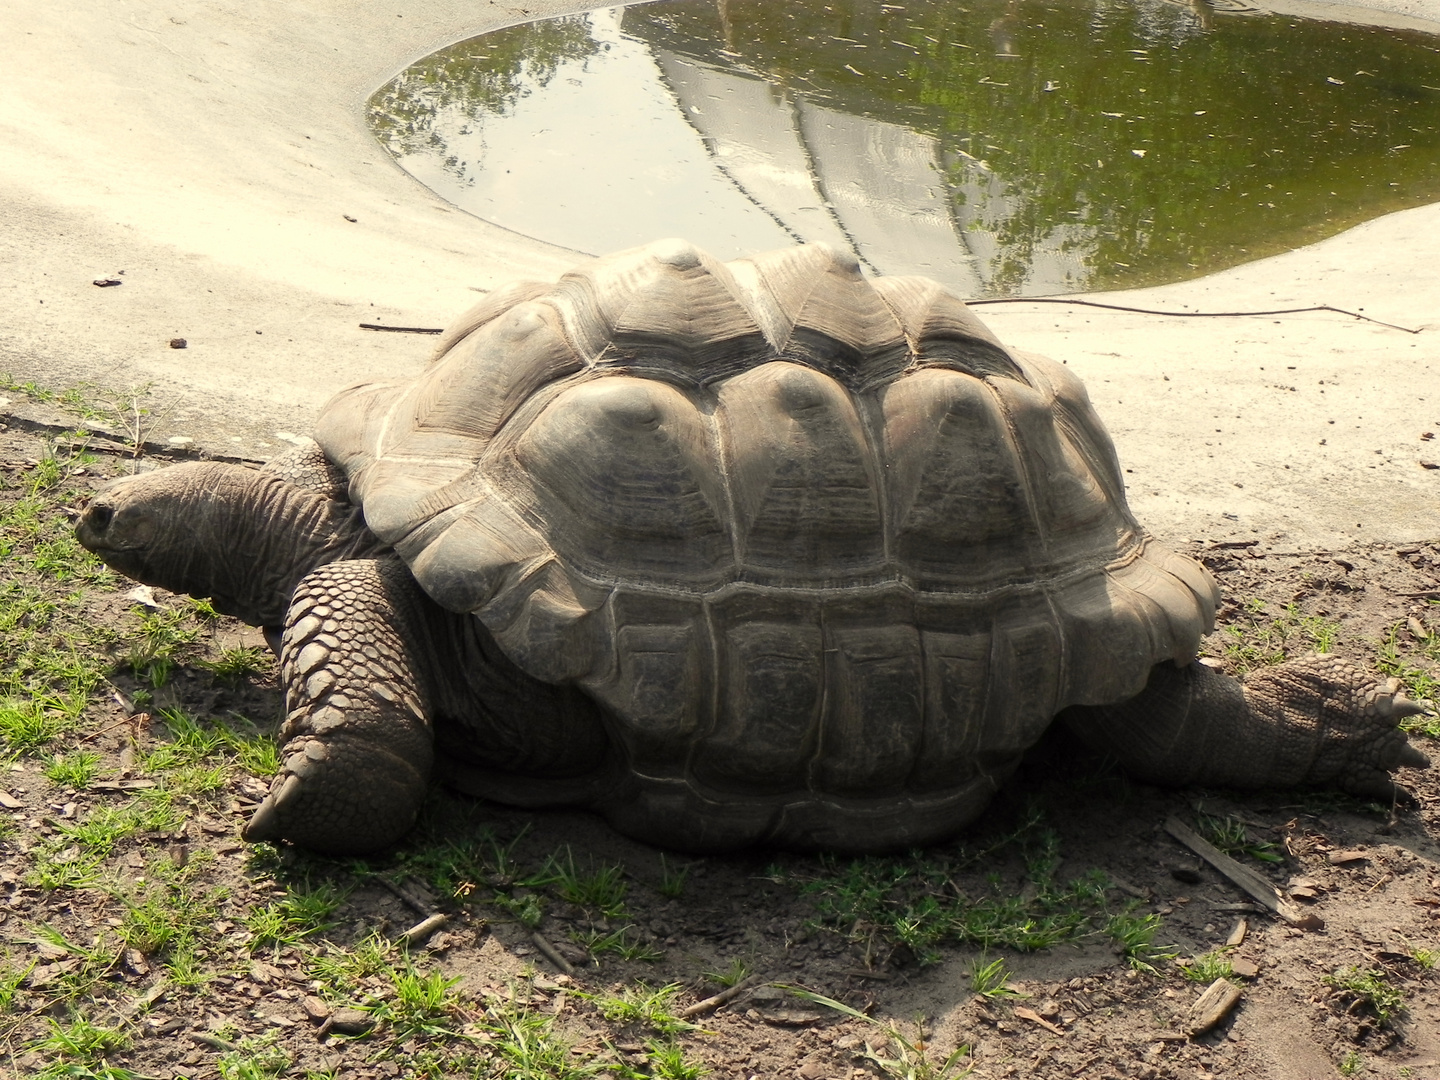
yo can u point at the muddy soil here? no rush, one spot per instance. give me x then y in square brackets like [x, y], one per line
[1369, 875]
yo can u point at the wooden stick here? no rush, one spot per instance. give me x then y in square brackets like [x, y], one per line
[1243, 877]
[722, 998]
[422, 930]
[406, 898]
[552, 954]
[1212, 1007]
[411, 329]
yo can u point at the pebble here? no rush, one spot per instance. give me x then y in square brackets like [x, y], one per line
[351, 1022]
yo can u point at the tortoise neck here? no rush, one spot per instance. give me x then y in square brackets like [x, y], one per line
[256, 536]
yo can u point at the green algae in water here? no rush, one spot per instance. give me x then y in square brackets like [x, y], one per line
[1057, 146]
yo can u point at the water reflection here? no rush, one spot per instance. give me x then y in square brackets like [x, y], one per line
[1003, 146]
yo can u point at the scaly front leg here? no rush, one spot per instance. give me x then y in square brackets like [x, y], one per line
[1317, 721]
[358, 741]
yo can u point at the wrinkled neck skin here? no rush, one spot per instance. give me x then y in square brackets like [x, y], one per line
[240, 537]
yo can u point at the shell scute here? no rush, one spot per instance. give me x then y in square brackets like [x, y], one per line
[668, 310]
[942, 331]
[875, 713]
[619, 474]
[956, 482]
[771, 692]
[805, 485]
[827, 316]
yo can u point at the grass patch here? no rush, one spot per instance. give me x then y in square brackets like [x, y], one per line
[916, 901]
[1368, 990]
[524, 1045]
[667, 1061]
[74, 770]
[1208, 967]
[672, 879]
[419, 1004]
[901, 1057]
[287, 922]
[81, 1041]
[992, 980]
[624, 943]
[240, 662]
[600, 889]
[736, 973]
[1230, 836]
[1134, 935]
[642, 1006]
[258, 1057]
[1419, 673]
[1257, 639]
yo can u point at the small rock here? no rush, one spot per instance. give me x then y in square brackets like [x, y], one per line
[134, 961]
[9, 802]
[1340, 858]
[316, 1009]
[1245, 969]
[178, 343]
[180, 441]
[351, 1022]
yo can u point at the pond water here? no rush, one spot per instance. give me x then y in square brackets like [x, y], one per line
[1005, 147]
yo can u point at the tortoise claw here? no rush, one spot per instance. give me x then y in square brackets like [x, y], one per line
[264, 824]
[1411, 758]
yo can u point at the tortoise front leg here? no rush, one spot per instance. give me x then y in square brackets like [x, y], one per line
[1317, 721]
[358, 741]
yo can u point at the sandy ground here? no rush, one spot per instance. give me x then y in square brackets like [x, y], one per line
[210, 157]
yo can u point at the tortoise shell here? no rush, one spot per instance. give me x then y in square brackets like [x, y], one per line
[821, 546]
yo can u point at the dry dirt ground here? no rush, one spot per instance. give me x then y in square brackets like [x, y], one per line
[141, 938]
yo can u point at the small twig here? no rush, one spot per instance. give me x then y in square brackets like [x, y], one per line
[1242, 876]
[552, 954]
[723, 998]
[1182, 314]
[111, 727]
[421, 931]
[402, 329]
[423, 910]
[148, 998]
[124, 703]
[212, 1041]
[122, 785]
[860, 973]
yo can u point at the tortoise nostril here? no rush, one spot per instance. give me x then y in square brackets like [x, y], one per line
[99, 515]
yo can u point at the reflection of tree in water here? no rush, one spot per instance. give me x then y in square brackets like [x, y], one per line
[1154, 140]
[457, 87]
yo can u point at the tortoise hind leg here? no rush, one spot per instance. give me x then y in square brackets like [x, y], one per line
[1317, 721]
[358, 742]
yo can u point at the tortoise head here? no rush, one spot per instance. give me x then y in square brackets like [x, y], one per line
[207, 530]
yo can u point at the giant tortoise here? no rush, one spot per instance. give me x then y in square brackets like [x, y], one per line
[733, 553]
